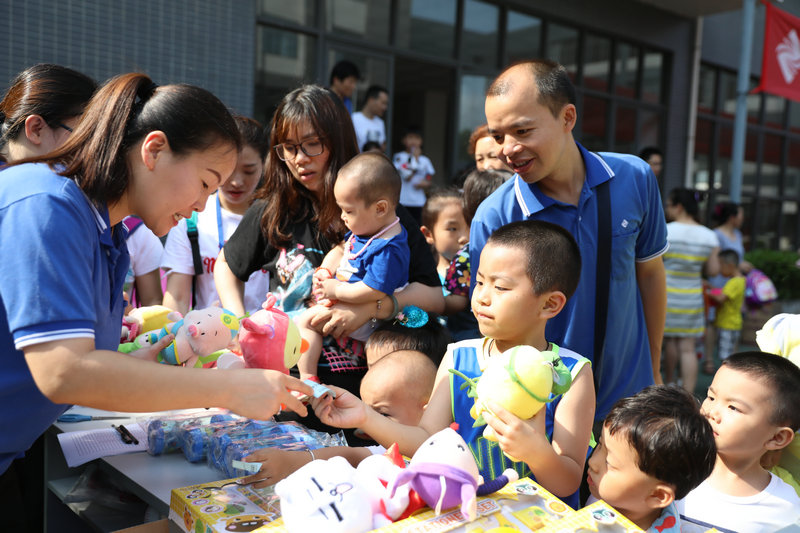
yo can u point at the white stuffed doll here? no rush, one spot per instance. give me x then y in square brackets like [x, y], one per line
[324, 496]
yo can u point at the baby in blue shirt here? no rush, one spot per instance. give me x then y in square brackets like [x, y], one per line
[372, 262]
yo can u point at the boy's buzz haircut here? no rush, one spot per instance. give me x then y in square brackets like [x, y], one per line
[377, 177]
[673, 442]
[782, 378]
[554, 259]
[729, 256]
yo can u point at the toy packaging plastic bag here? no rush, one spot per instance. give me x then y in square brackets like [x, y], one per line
[234, 443]
[164, 432]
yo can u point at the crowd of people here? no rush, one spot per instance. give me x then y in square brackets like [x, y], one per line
[393, 283]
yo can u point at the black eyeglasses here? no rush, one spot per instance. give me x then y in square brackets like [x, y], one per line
[311, 147]
[60, 125]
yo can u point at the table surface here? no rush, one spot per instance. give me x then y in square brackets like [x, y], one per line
[152, 478]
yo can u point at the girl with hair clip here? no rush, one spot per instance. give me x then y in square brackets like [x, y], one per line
[693, 250]
[40, 109]
[295, 221]
[158, 153]
[223, 213]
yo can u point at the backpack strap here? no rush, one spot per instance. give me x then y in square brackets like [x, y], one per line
[603, 279]
[191, 232]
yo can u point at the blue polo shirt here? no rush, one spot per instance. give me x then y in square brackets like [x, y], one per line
[61, 277]
[639, 234]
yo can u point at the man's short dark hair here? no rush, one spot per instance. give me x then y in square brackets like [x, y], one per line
[344, 69]
[649, 151]
[674, 443]
[782, 378]
[374, 91]
[554, 88]
[554, 259]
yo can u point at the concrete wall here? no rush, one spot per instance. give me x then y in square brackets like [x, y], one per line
[210, 43]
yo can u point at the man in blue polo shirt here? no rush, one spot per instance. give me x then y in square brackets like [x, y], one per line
[530, 110]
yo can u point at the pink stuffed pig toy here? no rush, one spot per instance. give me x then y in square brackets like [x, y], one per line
[270, 339]
[200, 333]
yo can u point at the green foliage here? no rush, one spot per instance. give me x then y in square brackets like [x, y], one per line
[782, 269]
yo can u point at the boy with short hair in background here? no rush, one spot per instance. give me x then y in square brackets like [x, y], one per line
[752, 406]
[416, 170]
[729, 300]
[656, 446]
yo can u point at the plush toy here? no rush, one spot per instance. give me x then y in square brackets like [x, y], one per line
[229, 360]
[324, 496]
[200, 337]
[376, 473]
[520, 380]
[270, 339]
[141, 341]
[444, 474]
[781, 335]
[145, 319]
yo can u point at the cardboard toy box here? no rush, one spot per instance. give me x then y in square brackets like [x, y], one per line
[599, 516]
[521, 506]
[222, 506]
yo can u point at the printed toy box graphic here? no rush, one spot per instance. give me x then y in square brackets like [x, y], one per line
[598, 517]
[521, 506]
[222, 506]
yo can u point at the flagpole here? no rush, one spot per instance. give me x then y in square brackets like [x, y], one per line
[742, 88]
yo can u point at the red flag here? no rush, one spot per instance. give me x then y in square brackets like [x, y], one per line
[780, 65]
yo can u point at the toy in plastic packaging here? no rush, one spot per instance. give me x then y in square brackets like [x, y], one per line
[164, 432]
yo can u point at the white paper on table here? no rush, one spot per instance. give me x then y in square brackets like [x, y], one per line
[82, 446]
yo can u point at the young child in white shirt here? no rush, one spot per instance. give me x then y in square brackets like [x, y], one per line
[752, 407]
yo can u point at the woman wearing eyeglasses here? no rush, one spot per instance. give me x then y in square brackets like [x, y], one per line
[295, 221]
[40, 110]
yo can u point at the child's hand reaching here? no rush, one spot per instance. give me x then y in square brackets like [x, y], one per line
[346, 411]
[276, 464]
[521, 439]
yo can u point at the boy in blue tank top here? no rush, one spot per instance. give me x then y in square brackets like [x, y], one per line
[527, 272]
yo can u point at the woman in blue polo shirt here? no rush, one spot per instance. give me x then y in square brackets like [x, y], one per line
[158, 153]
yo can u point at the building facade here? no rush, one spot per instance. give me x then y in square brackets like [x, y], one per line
[647, 72]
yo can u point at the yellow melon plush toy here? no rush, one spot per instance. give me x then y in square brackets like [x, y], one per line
[520, 380]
